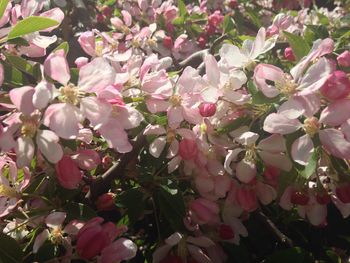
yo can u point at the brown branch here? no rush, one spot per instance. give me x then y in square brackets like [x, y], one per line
[273, 229]
[82, 14]
[103, 183]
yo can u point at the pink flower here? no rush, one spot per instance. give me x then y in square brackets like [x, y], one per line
[280, 22]
[105, 202]
[271, 150]
[246, 198]
[94, 236]
[344, 59]
[87, 159]
[11, 186]
[68, 173]
[215, 19]
[212, 187]
[119, 250]
[337, 86]
[188, 149]
[64, 117]
[204, 211]
[56, 233]
[194, 246]
[222, 82]
[232, 56]
[28, 124]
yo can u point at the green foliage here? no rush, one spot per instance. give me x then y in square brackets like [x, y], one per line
[3, 5]
[30, 25]
[298, 44]
[171, 205]
[133, 201]
[10, 251]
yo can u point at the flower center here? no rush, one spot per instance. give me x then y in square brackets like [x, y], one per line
[29, 126]
[70, 94]
[133, 82]
[311, 126]
[288, 87]
[250, 154]
[99, 48]
[56, 235]
[7, 191]
[175, 100]
[250, 65]
[170, 136]
[151, 42]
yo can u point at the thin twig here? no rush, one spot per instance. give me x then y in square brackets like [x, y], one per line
[104, 182]
[273, 229]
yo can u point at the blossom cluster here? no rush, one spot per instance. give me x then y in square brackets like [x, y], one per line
[261, 119]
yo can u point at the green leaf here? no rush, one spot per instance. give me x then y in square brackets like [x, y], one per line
[241, 121]
[19, 41]
[20, 63]
[254, 17]
[323, 19]
[64, 46]
[13, 75]
[172, 206]
[319, 31]
[298, 44]
[290, 255]
[48, 251]
[228, 24]
[132, 200]
[79, 211]
[178, 21]
[10, 251]
[3, 5]
[30, 25]
[182, 8]
[312, 164]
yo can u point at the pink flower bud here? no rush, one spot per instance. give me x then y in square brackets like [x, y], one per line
[226, 232]
[93, 237]
[168, 42]
[205, 211]
[105, 202]
[323, 198]
[106, 161]
[207, 109]
[170, 27]
[337, 86]
[246, 198]
[107, 11]
[91, 242]
[202, 41]
[272, 30]
[299, 198]
[188, 149]
[289, 54]
[100, 18]
[81, 61]
[343, 193]
[344, 59]
[215, 19]
[68, 173]
[210, 30]
[233, 4]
